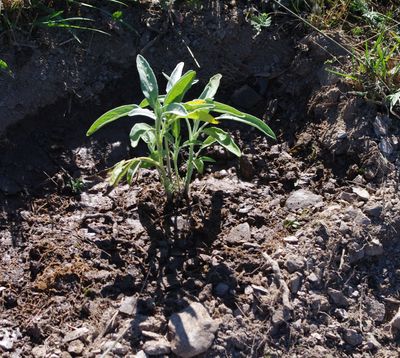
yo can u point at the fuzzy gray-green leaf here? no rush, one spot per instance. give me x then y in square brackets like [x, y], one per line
[212, 87]
[148, 81]
[109, 117]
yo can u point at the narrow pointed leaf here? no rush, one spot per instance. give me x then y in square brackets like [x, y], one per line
[207, 142]
[148, 81]
[224, 139]
[118, 172]
[224, 108]
[176, 128]
[179, 89]
[207, 159]
[202, 116]
[132, 170]
[251, 121]
[211, 89]
[109, 117]
[175, 75]
[138, 111]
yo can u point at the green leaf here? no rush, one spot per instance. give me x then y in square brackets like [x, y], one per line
[251, 121]
[179, 89]
[175, 108]
[138, 111]
[176, 129]
[224, 139]
[207, 159]
[207, 142]
[4, 67]
[198, 104]
[145, 103]
[211, 89]
[393, 99]
[202, 116]
[109, 117]
[224, 108]
[132, 170]
[117, 172]
[148, 80]
[175, 75]
[141, 131]
[199, 165]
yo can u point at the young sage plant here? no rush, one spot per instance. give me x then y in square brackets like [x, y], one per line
[177, 127]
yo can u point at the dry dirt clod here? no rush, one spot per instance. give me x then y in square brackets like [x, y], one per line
[338, 297]
[115, 347]
[301, 199]
[192, 331]
[352, 337]
[76, 347]
[376, 310]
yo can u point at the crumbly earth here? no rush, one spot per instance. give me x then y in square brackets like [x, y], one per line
[317, 212]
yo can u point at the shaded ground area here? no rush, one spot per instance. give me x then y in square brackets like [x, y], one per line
[316, 212]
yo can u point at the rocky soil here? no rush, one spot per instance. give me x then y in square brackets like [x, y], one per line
[292, 251]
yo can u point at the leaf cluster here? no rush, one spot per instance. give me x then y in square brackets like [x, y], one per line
[178, 128]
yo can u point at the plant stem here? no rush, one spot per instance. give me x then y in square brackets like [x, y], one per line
[175, 161]
[192, 138]
[159, 143]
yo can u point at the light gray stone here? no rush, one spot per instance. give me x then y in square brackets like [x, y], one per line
[154, 348]
[39, 352]
[192, 331]
[76, 347]
[294, 263]
[361, 193]
[128, 306]
[301, 199]
[76, 334]
[238, 234]
[295, 282]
